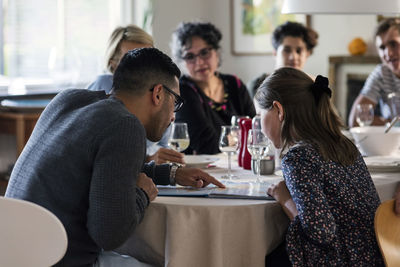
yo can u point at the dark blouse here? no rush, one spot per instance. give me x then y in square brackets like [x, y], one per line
[205, 116]
[336, 207]
[253, 85]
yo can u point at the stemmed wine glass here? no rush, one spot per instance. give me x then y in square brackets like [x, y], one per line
[258, 146]
[364, 114]
[235, 119]
[179, 138]
[229, 143]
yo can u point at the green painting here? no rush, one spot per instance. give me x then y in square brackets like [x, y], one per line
[262, 16]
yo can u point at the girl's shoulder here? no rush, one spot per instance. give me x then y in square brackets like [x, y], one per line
[303, 152]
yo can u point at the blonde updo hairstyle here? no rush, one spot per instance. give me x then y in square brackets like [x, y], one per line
[130, 33]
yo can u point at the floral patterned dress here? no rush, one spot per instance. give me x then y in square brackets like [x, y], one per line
[336, 206]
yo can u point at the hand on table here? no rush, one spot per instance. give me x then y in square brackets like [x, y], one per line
[281, 194]
[164, 155]
[195, 177]
[147, 185]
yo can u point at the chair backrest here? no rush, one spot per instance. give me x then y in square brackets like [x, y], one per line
[387, 230]
[30, 235]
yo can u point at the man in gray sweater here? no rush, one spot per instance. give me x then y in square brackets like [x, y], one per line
[85, 160]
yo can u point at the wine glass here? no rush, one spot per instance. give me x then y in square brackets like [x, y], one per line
[229, 143]
[235, 119]
[394, 101]
[256, 122]
[258, 146]
[364, 114]
[179, 138]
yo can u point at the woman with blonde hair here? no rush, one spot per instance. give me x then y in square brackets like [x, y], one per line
[122, 40]
[327, 192]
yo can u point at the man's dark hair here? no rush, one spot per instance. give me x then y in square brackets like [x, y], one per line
[294, 29]
[142, 68]
[385, 24]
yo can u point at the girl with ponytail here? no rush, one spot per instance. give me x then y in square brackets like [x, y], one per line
[327, 192]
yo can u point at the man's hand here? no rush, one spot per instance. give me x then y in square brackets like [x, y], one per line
[195, 177]
[164, 155]
[147, 185]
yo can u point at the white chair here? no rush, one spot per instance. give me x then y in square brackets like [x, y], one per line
[30, 235]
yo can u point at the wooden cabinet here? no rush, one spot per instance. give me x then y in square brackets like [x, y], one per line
[340, 69]
[20, 124]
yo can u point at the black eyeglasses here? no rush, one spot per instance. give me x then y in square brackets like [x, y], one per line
[204, 54]
[178, 103]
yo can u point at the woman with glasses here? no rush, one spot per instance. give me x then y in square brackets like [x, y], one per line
[211, 98]
[121, 41]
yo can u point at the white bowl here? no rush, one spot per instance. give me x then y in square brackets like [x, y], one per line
[373, 141]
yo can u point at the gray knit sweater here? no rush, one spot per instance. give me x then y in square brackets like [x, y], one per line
[82, 162]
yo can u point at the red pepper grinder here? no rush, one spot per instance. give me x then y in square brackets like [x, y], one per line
[241, 141]
[244, 155]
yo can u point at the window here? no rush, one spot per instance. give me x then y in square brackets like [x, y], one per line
[56, 43]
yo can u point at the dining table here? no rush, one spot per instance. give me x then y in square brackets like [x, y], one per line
[213, 232]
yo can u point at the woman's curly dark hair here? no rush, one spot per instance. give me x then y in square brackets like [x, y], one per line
[185, 31]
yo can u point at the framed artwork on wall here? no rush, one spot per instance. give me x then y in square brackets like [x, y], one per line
[252, 24]
[379, 18]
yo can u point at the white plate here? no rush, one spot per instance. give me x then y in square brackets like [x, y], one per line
[199, 161]
[383, 163]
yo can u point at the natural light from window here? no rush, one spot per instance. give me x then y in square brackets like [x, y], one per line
[54, 44]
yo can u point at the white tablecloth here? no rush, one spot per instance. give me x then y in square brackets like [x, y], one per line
[192, 232]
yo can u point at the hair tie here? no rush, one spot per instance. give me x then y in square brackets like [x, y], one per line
[320, 86]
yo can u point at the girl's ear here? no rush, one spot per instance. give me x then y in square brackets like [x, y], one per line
[281, 112]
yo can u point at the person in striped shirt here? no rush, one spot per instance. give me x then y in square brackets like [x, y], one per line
[385, 78]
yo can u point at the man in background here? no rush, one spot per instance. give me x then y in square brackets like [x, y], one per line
[385, 78]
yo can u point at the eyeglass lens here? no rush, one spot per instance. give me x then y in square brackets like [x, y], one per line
[204, 53]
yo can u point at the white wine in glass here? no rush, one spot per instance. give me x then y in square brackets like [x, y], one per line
[179, 138]
[229, 143]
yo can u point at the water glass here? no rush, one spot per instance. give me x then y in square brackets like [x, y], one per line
[364, 114]
[229, 143]
[394, 102]
[258, 146]
[256, 122]
[179, 138]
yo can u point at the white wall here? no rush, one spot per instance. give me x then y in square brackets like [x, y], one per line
[335, 31]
